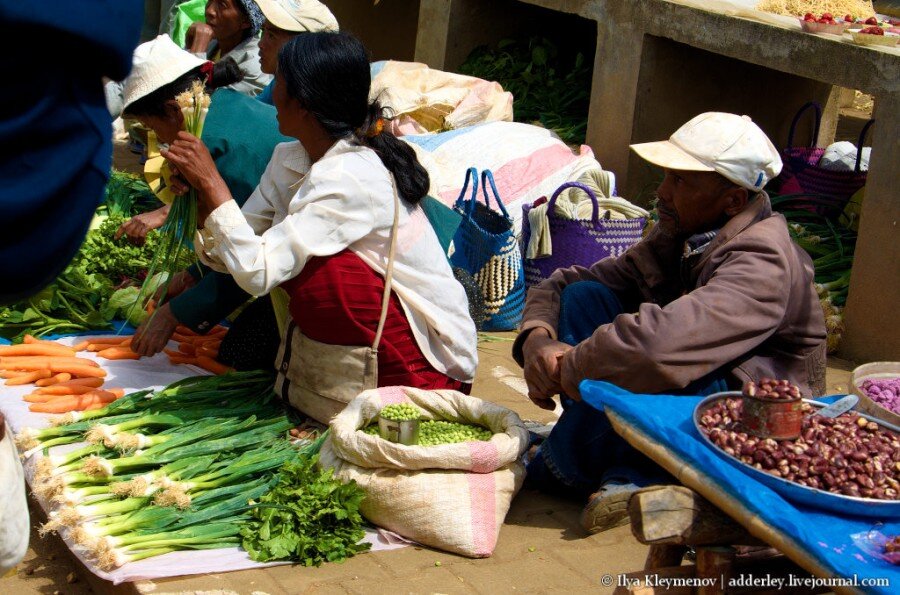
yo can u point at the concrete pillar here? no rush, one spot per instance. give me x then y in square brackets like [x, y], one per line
[873, 305]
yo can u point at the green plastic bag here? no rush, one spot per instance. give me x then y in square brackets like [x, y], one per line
[184, 14]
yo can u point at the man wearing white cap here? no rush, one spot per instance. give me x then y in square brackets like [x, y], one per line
[284, 20]
[716, 295]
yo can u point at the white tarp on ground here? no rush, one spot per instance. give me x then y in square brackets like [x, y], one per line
[147, 373]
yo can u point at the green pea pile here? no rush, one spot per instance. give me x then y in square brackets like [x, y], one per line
[400, 412]
[371, 429]
[432, 433]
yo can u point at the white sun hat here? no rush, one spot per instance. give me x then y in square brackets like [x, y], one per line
[156, 63]
[298, 15]
[729, 144]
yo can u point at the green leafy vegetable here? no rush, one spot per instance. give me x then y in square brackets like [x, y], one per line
[547, 86]
[309, 517]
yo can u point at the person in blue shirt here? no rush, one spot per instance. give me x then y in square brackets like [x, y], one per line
[55, 130]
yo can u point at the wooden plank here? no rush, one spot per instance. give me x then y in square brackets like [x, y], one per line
[677, 515]
[661, 556]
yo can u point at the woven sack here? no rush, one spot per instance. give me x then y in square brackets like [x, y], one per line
[453, 497]
[485, 246]
[828, 191]
[578, 241]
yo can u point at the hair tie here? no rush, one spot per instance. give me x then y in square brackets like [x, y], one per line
[376, 128]
[207, 70]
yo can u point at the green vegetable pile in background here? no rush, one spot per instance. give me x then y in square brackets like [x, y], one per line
[830, 244]
[546, 87]
[308, 517]
[82, 297]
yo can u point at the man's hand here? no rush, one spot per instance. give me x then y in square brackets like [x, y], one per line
[542, 371]
[570, 377]
[198, 37]
[137, 228]
[151, 337]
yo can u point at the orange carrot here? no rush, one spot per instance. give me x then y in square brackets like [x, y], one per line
[183, 330]
[211, 365]
[64, 390]
[81, 346]
[151, 306]
[91, 382]
[208, 352]
[29, 378]
[69, 403]
[30, 364]
[13, 373]
[41, 349]
[182, 338]
[28, 339]
[118, 353]
[36, 398]
[187, 348]
[62, 377]
[80, 371]
[95, 406]
[112, 339]
[184, 359]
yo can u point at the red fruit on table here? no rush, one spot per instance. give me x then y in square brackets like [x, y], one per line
[848, 18]
[873, 31]
[809, 17]
[827, 16]
[871, 21]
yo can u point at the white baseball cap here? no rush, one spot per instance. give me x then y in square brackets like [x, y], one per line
[156, 63]
[729, 144]
[298, 15]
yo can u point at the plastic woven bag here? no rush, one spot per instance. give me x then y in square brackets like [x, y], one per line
[452, 497]
[827, 190]
[485, 246]
[578, 241]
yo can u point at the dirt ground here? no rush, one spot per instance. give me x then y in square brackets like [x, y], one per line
[541, 547]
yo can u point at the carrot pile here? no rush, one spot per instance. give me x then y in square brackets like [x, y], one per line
[63, 381]
[199, 350]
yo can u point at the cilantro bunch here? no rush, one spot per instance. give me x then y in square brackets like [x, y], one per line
[309, 517]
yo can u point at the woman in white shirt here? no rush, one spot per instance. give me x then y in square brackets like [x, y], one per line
[326, 238]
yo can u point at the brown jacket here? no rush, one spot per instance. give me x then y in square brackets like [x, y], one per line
[747, 302]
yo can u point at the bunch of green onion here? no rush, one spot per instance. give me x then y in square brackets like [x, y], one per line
[211, 446]
[177, 233]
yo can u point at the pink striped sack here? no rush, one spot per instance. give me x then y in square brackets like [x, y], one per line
[452, 497]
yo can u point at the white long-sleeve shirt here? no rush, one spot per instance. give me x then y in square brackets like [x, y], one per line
[344, 201]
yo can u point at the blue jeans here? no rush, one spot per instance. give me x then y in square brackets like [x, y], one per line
[583, 451]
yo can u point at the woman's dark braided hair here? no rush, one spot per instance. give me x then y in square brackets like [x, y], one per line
[328, 73]
[224, 72]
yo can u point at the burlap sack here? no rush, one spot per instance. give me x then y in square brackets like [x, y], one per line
[452, 497]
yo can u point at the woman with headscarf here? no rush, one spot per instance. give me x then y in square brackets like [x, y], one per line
[349, 243]
[232, 31]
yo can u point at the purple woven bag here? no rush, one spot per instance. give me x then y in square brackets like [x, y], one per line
[577, 242]
[829, 190]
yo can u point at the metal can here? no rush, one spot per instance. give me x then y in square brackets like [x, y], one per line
[778, 419]
[403, 432]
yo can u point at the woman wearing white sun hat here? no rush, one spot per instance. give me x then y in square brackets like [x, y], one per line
[241, 134]
[284, 20]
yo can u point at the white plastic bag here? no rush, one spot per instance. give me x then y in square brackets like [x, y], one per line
[452, 497]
